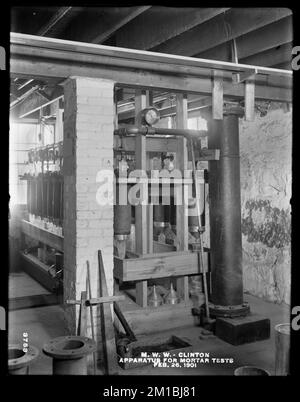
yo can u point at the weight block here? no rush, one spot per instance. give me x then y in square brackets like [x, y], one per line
[240, 330]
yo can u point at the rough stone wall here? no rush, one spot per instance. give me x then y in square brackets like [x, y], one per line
[266, 147]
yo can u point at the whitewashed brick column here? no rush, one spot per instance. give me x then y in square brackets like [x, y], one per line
[88, 148]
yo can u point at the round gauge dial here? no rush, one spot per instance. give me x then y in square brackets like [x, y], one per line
[151, 116]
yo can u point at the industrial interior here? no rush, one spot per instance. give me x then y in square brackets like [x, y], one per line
[150, 187]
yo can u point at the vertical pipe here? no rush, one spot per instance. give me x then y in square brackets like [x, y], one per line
[69, 354]
[19, 361]
[20, 371]
[70, 367]
[225, 210]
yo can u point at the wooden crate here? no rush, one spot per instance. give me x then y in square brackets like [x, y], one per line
[160, 265]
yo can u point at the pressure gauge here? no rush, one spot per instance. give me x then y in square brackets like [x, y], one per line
[150, 116]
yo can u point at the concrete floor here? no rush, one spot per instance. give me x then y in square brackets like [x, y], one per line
[44, 323]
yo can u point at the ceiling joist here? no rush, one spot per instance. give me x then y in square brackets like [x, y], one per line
[136, 11]
[161, 24]
[223, 28]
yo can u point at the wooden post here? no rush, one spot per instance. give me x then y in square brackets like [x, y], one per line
[150, 228]
[182, 210]
[82, 322]
[141, 235]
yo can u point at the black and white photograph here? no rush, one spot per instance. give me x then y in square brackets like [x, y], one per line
[150, 187]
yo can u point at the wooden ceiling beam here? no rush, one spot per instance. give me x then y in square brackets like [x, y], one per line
[150, 80]
[161, 24]
[134, 68]
[134, 12]
[260, 40]
[57, 17]
[223, 28]
[39, 48]
[283, 66]
[271, 57]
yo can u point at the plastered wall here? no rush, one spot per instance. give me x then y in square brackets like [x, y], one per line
[266, 148]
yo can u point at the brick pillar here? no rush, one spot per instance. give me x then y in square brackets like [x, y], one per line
[88, 148]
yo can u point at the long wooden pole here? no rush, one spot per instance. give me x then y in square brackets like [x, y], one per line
[91, 313]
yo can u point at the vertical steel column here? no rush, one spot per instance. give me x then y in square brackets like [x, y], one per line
[225, 211]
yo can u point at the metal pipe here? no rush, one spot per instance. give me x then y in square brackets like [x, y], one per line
[225, 210]
[19, 361]
[250, 371]
[144, 130]
[69, 354]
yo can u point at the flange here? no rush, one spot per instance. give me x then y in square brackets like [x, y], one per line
[250, 371]
[239, 310]
[69, 347]
[18, 360]
[69, 354]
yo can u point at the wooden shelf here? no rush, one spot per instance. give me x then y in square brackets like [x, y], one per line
[42, 235]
